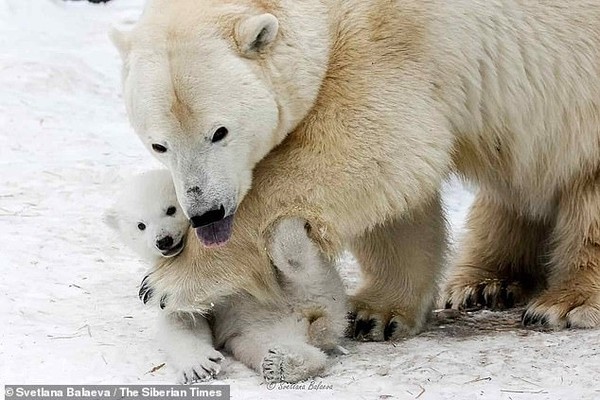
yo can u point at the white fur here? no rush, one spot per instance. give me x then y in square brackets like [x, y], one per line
[243, 99]
[311, 282]
[283, 342]
[186, 337]
[380, 101]
[145, 200]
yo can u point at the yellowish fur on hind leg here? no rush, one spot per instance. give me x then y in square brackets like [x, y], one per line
[401, 263]
[499, 263]
[321, 334]
[573, 295]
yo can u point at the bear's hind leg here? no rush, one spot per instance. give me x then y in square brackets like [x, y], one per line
[573, 295]
[278, 350]
[499, 262]
[401, 263]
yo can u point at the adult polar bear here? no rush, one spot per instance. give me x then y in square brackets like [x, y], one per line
[350, 114]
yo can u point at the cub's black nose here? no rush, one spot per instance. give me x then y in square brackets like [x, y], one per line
[165, 243]
[208, 218]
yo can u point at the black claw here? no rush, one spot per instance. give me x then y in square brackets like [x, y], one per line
[349, 332]
[503, 296]
[163, 302]
[532, 319]
[469, 302]
[481, 299]
[489, 302]
[142, 291]
[144, 287]
[147, 295]
[510, 300]
[351, 316]
[389, 330]
[524, 318]
[363, 328]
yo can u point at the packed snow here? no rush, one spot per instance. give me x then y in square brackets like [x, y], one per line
[69, 310]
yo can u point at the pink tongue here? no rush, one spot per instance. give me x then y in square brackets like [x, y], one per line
[217, 234]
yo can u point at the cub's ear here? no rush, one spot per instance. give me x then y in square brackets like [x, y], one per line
[110, 219]
[255, 34]
[121, 40]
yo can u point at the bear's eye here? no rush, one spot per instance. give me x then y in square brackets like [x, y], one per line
[220, 134]
[159, 148]
[171, 210]
[141, 226]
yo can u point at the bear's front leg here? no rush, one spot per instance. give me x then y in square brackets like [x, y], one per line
[572, 298]
[500, 263]
[401, 262]
[187, 339]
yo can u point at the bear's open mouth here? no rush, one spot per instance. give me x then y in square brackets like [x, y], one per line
[175, 250]
[216, 234]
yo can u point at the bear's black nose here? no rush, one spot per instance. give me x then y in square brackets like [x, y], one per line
[208, 218]
[165, 243]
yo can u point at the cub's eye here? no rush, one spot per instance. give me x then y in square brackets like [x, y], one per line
[159, 148]
[171, 211]
[220, 134]
[141, 226]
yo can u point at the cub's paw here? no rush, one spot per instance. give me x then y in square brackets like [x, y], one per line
[291, 249]
[204, 369]
[373, 324]
[147, 293]
[495, 294]
[561, 309]
[287, 365]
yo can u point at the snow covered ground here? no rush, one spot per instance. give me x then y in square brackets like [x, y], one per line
[68, 308]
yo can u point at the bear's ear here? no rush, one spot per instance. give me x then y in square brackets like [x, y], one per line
[254, 34]
[121, 40]
[110, 219]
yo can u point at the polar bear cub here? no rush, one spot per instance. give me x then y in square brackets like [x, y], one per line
[150, 221]
[148, 217]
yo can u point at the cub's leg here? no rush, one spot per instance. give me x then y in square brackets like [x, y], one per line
[187, 339]
[311, 281]
[573, 295]
[401, 263]
[278, 350]
[297, 257]
[499, 261]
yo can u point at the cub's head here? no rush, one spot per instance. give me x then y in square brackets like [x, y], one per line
[148, 217]
[212, 86]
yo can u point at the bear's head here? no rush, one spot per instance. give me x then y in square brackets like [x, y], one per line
[212, 86]
[147, 216]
